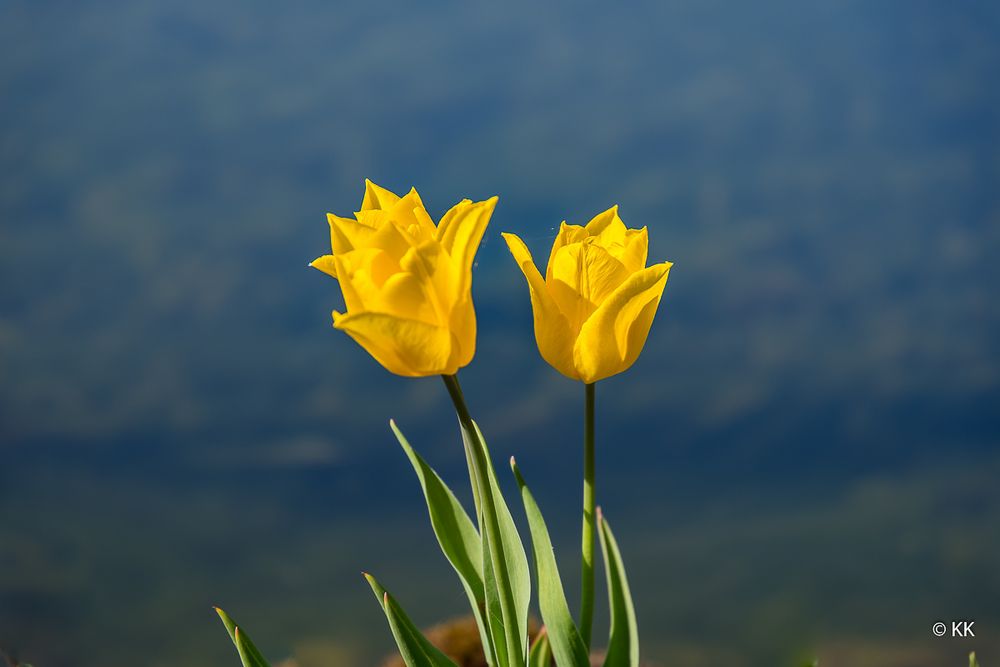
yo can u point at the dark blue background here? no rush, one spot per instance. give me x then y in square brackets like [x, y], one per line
[804, 459]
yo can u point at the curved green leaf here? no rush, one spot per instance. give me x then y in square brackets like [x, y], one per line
[456, 534]
[415, 649]
[541, 651]
[623, 642]
[494, 607]
[567, 645]
[505, 571]
[249, 655]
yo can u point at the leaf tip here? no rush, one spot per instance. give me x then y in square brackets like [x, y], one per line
[517, 473]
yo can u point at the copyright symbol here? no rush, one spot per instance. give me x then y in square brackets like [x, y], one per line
[939, 629]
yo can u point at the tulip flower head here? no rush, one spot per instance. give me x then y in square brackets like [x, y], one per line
[407, 283]
[594, 307]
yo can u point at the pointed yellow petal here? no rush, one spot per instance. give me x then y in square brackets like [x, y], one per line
[404, 347]
[552, 331]
[377, 198]
[633, 255]
[411, 217]
[608, 227]
[425, 223]
[347, 234]
[460, 233]
[362, 274]
[325, 264]
[432, 268]
[375, 218]
[583, 275]
[567, 234]
[463, 326]
[611, 340]
[403, 295]
[392, 240]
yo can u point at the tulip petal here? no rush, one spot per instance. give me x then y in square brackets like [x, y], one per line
[391, 239]
[463, 326]
[552, 331]
[460, 232]
[611, 340]
[583, 275]
[403, 295]
[374, 218]
[410, 216]
[325, 264]
[402, 346]
[355, 283]
[377, 198]
[361, 274]
[608, 227]
[567, 234]
[432, 267]
[347, 234]
[425, 223]
[633, 255]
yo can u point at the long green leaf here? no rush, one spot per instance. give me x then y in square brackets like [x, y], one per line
[494, 606]
[456, 534]
[505, 570]
[972, 660]
[249, 655]
[415, 649]
[567, 644]
[623, 642]
[541, 651]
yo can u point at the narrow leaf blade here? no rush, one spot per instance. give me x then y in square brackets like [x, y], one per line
[564, 638]
[494, 612]
[541, 651]
[504, 553]
[249, 655]
[456, 534]
[623, 642]
[413, 646]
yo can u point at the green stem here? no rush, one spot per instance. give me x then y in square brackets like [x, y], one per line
[458, 398]
[479, 467]
[465, 420]
[587, 563]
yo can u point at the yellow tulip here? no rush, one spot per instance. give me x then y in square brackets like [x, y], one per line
[596, 303]
[407, 283]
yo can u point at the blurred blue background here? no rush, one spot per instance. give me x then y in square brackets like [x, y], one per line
[804, 460]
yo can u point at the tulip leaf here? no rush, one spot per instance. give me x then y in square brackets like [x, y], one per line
[972, 660]
[566, 642]
[415, 649]
[249, 655]
[494, 610]
[623, 642]
[541, 651]
[456, 534]
[505, 570]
